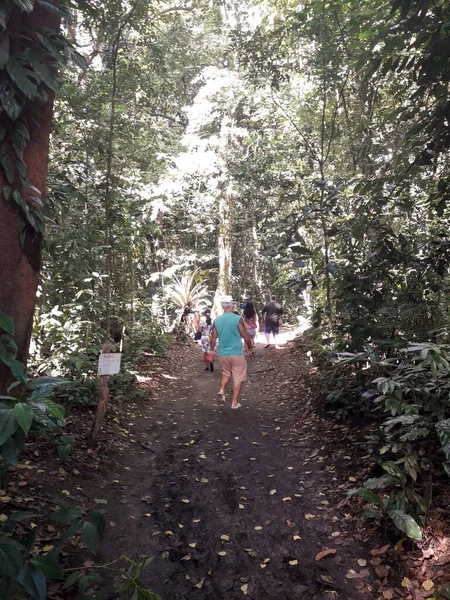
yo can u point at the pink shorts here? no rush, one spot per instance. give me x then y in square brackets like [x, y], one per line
[235, 367]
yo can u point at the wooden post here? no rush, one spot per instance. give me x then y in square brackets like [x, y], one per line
[102, 404]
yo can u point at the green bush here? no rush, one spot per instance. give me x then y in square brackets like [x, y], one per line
[410, 393]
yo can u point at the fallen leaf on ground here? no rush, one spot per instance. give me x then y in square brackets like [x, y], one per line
[192, 544]
[325, 552]
[354, 575]
[381, 571]
[406, 582]
[244, 588]
[293, 562]
[335, 534]
[427, 585]
[290, 523]
[388, 594]
[225, 537]
[199, 585]
[378, 551]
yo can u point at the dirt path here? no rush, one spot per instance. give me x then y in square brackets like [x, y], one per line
[231, 502]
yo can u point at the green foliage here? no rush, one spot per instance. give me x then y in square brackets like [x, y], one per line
[412, 397]
[324, 126]
[132, 585]
[23, 571]
[31, 409]
[30, 63]
[187, 295]
[67, 345]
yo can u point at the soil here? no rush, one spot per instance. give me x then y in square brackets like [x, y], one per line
[234, 503]
[228, 503]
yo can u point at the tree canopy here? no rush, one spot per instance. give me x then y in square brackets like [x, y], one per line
[197, 149]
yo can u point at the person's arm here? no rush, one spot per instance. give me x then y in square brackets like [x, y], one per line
[244, 334]
[212, 344]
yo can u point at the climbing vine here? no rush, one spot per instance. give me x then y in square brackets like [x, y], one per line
[30, 61]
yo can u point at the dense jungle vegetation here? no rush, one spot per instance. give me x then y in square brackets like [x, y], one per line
[158, 155]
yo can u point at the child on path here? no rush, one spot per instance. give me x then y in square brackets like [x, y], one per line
[251, 323]
[205, 328]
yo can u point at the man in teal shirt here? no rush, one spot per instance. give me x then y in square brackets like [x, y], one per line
[229, 328]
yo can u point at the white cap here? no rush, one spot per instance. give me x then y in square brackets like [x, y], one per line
[227, 300]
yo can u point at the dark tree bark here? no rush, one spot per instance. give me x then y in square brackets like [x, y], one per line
[20, 261]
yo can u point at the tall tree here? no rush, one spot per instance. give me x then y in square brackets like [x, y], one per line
[30, 51]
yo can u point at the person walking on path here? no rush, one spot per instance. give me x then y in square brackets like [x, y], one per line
[271, 316]
[229, 328]
[205, 328]
[250, 319]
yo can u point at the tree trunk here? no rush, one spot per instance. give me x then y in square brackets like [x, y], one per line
[20, 260]
[255, 254]
[224, 248]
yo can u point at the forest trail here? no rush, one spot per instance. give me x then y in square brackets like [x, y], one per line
[232, 503]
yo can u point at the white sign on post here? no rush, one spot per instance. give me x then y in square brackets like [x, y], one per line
[109, 364]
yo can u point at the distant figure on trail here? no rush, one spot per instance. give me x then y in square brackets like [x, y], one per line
[251, 323]
[190, 319]
[229, 328]
[271, 317]
[205, 329]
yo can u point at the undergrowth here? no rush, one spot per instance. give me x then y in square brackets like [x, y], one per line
[405, 395]
[30, 556]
